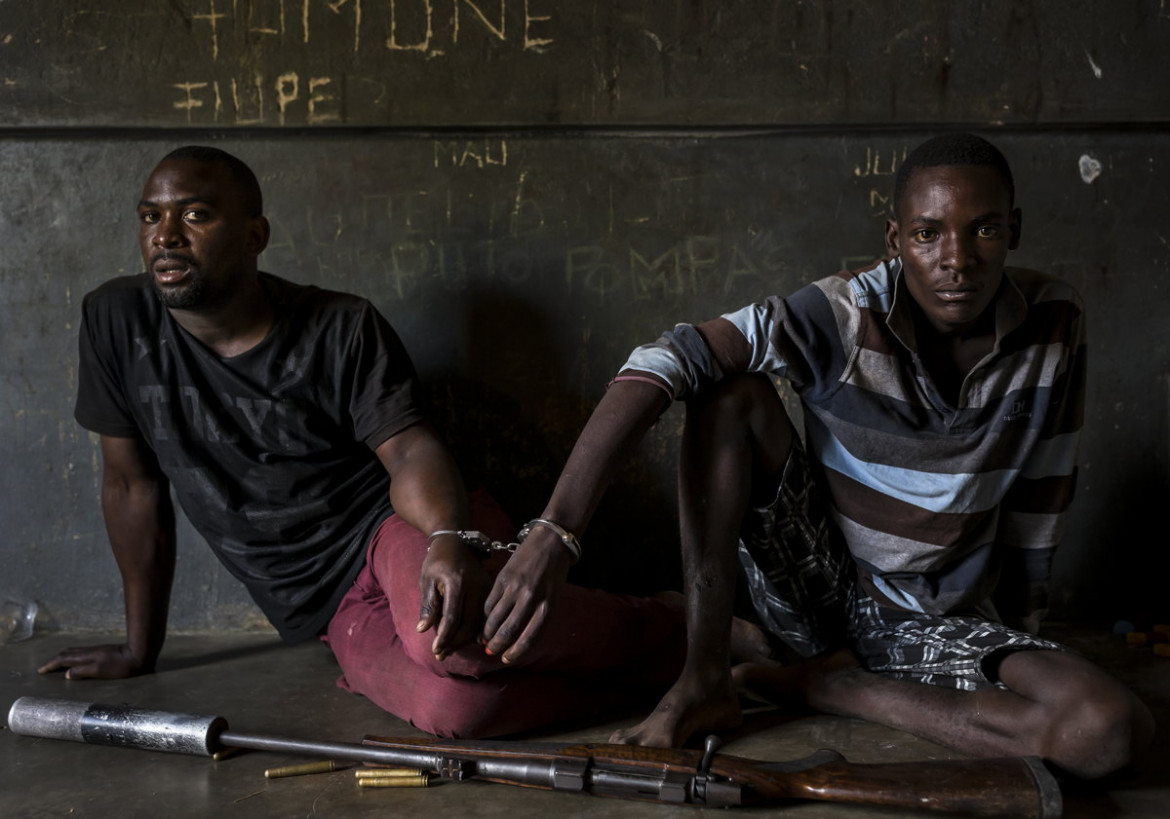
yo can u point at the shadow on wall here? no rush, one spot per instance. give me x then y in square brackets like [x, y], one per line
[511, 415]
[1132, 562]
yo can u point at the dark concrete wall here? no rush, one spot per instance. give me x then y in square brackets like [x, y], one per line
[533, 196]
[426, 63]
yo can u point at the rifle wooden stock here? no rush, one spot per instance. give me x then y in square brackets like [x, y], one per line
[1018, 787]
[1012, 786]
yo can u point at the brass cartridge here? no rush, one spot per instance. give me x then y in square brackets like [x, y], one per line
[384, 773]
[417, 781]
[301, 770]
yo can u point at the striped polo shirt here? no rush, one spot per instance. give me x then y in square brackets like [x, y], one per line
[926, 495]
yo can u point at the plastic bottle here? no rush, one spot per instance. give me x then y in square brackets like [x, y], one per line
[17, 617]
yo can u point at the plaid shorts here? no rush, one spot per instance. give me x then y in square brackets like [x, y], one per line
[803, 587]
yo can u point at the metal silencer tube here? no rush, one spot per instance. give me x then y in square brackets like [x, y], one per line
[116, 725]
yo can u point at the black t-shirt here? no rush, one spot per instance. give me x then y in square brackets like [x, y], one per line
[270, 452]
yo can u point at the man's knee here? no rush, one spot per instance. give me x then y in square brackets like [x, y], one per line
[468, 661]
[1093, 724]
[459, 709]
[745, 408]
[1096, 730]
[499, 704]
[1103, 724]
[740, 396]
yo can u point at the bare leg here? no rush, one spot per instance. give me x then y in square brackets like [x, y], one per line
[735, 444]
[795, 685]
[1057, 706]
[748, 644]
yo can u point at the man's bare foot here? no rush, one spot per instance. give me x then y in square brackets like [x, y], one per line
[749, 644]
[685, 710]
[809, 682]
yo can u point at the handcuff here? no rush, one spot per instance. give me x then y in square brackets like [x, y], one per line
[487, 546]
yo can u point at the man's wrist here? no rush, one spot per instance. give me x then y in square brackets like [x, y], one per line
[445, 544]
[567, 538]
[141, 661]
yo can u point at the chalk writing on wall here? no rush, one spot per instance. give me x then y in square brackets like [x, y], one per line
[877, 171]
[256, 52]
[517, 251]
[312, 101]
[464, 154]
[431, 27]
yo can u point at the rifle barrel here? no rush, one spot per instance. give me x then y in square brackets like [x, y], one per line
[350, 751]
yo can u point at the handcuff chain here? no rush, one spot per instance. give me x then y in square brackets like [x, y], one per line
[489, 545]
[476, 540]
[481, 542]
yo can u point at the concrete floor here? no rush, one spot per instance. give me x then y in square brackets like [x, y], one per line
[261, 686]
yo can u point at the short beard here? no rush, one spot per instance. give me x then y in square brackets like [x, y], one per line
[185, 297]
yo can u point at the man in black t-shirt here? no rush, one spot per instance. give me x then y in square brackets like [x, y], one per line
[285, 419]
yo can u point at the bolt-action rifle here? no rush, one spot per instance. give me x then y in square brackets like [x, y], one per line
[1009, 787]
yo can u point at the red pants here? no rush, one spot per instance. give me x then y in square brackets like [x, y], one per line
[595, 646]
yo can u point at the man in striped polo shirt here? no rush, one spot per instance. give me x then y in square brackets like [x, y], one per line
[904, 563]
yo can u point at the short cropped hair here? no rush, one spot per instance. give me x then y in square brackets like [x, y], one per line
[952, 149]
[241, 174]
